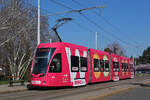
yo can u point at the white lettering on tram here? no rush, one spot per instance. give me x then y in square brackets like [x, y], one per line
[72, 74]
[76, 82]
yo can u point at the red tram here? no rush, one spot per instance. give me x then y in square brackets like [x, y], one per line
[65, 64]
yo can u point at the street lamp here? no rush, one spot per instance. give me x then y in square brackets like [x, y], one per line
[38, 27]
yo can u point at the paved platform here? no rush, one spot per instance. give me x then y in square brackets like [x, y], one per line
[140, 93]
[98, 94]
[77, 93]
[117, 90]
[16, 87]
[84, 96]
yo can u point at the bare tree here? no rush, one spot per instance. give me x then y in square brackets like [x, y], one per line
[107, 50]
[18, 29]
[116, 48]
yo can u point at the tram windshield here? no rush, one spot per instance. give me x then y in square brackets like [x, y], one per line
[131, 67]
[42, 59]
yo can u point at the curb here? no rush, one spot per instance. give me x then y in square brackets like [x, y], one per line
[16, 88]
[109, 93]
[145, 83]
[11, 91]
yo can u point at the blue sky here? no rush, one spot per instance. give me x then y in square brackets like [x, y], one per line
[123, 21]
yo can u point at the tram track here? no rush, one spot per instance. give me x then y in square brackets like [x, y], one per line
[59, 93]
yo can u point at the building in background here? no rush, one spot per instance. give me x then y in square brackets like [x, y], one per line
[143, 68]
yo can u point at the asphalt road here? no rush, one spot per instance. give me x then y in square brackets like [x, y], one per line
[140, 93]
[62, 93]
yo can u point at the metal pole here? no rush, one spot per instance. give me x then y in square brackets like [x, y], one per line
[38, 35]
[96, 41]
[50, 40]
[134, 62]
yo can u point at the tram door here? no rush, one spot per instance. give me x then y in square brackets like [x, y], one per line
[116, 70]
[132, 70]
[55, 70]
[78, 66]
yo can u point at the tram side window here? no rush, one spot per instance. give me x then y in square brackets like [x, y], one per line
[56, 66]
[123, 67]
[131, 67]
[74, 63]
[115, 66]
[96, 65]
[127, 67]
[83, 64]
[102, 65]
[106, 65]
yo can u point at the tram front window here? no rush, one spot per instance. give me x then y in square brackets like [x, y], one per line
[56, 66]
[41, 61]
